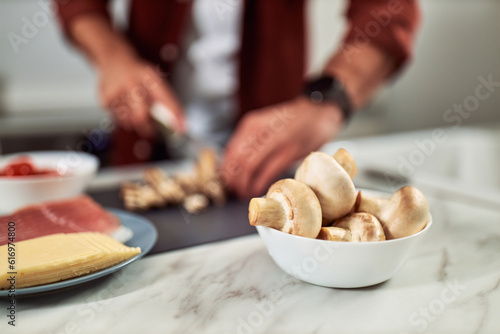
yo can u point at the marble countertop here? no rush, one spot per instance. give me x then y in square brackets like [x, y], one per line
[449, 285]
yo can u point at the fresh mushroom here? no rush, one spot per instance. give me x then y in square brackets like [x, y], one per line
[362, 227]
[330, 182]
[404, 214]
[289, 206]
[334, 234]
[346, 161]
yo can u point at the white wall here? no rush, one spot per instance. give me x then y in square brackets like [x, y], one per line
[44, 73]
[459, 41]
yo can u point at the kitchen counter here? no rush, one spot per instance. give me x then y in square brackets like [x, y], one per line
[450, 284]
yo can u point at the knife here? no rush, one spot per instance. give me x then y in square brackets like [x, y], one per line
[181, 142]
[475, 194]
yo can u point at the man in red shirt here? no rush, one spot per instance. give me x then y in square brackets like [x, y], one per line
[281, 116]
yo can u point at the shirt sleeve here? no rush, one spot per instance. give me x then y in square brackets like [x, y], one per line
[68, 10]
[390, 25]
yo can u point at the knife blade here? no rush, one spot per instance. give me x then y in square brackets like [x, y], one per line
[183, 142]
[480, 195]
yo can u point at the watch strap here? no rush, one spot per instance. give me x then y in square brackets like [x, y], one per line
[329, 89]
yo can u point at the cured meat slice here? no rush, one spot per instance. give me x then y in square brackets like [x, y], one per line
[78, 214]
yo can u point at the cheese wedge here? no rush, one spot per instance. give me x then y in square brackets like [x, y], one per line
[62, 256]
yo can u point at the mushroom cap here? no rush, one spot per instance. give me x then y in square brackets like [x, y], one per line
[363, 227]
[330, 182]
[404, 214]
[301, 206]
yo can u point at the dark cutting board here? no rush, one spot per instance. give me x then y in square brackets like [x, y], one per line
[179, 229]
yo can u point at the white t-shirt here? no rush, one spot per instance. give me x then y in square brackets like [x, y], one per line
[206, 73]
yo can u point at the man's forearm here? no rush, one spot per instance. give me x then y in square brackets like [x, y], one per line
[95, 35]
[362, 72]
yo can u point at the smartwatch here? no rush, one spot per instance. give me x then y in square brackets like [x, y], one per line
[329, 89]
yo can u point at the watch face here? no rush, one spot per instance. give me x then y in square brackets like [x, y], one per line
[329, 89]
[325, 88]
[318, 88]
[316, 96]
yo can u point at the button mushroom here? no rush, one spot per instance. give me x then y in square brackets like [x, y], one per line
[330, 182]
[404, 214]
[334, 234]
[362, 227]
[289, 206]
[346, 161]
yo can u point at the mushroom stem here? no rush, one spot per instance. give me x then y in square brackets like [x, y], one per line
[334, 234]
[371, 204]
[346, 160]
[404, 214]
[363, 227]
[266, 212]
[290, 206]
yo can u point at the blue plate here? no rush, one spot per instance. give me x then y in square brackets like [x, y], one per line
[145, 236]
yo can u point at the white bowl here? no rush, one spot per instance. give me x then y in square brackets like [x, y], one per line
[76, 169]
[339, 264]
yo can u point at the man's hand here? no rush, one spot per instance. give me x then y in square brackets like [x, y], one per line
[267, 141]
[128, 87]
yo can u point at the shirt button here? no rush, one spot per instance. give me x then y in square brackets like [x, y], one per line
[169, 52]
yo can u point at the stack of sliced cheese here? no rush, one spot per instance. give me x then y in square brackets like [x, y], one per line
[61, 256]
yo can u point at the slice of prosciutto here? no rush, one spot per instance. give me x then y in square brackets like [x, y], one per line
[78, 214]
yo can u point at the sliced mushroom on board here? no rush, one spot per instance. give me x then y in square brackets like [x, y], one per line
[207, 173]
[195, 203]
[194, 189]
[137, 196]
[167, 187]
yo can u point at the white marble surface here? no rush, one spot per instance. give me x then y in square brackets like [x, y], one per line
[449, 285]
